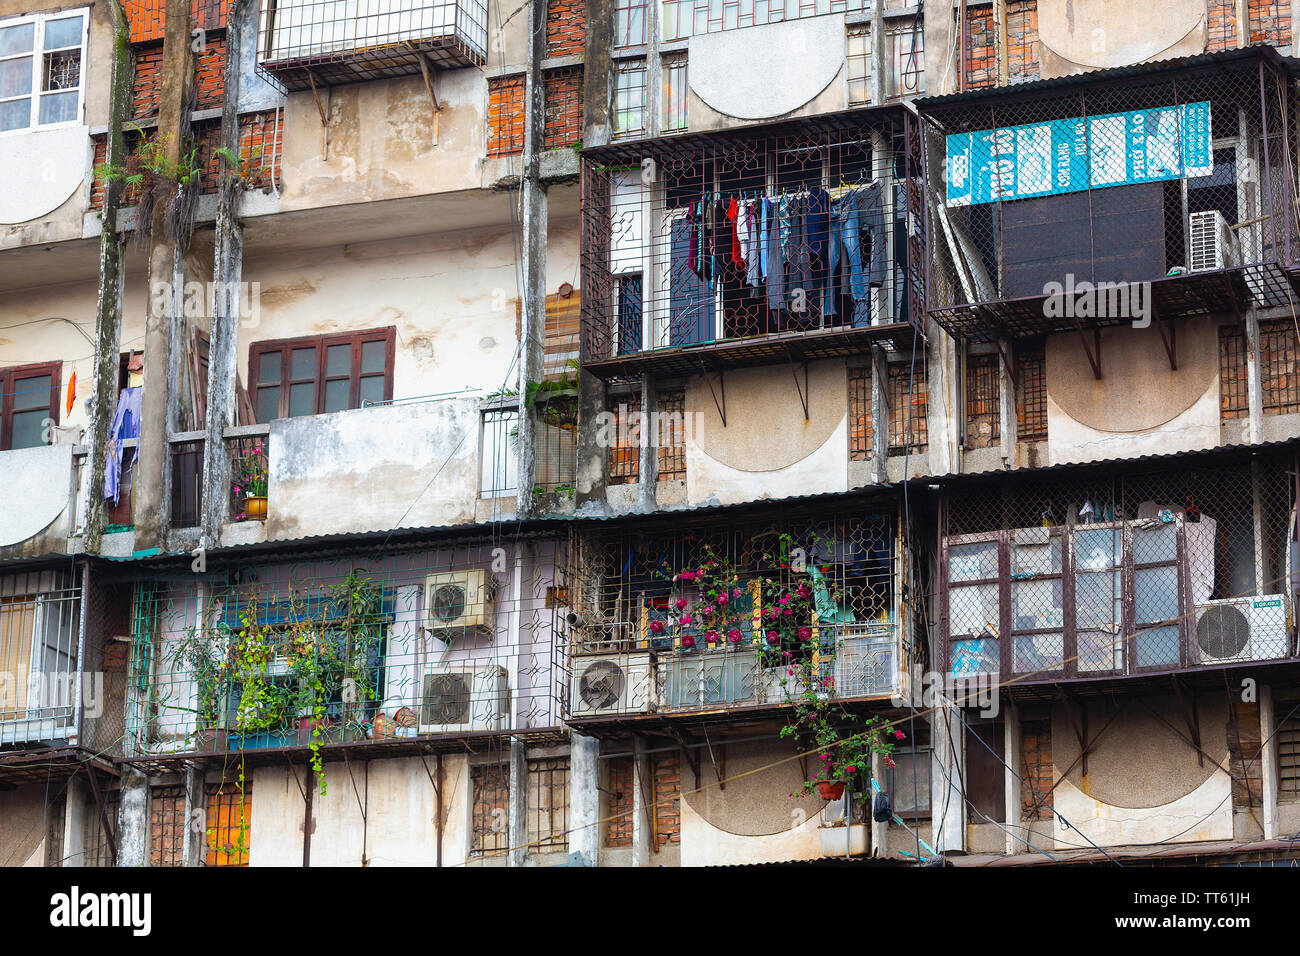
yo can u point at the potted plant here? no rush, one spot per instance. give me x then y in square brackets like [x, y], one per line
[249, 484]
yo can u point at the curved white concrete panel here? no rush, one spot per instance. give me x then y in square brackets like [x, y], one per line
[42, 169]
[39, 482]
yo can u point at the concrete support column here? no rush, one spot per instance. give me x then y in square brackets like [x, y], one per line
[74, 824]
[584, 798]
[133, 819]
[947, 802]
[533, 320]
[947, 406]
[1008, 419]
[196, 818]
[648, 473]
[1011, 747]
[642, 793]
[517, 817]
[941, 56]
[879, 417]
[593, 452]
[1254, 387]
[1268, 760]
[879, 830]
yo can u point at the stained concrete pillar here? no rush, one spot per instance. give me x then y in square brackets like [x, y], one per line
[584, 798]
[879, 829]
[1268, 761]
[947, 802]
[1007, 416]
[74, 824]
[196, 823]
[517, 815]
[1011, 747]
[597, 92]
[133, 819]
[648, 474]
[879, 417]
[1254, 387]
[533, 320]
[642, 794]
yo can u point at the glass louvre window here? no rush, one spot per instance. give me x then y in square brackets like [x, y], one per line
[859, 67]
[319, 374]
[40, 71]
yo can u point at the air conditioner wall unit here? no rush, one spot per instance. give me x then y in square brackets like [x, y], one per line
[1210, 242]
[460, 699]
[1241, 629]
[613, 684]
[460, 600]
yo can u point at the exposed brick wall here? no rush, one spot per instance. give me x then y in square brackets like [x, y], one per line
[1221, 25]
[146, 17]
[167, 827]
[505, 115]
[1270, 22]
[1244, 761]
[1036, 755]
[209, 77]
[859, 414]
[618, 808]
[563, 107]
[666, 769]
[980, 57]
[506, 111]
[566, 27]
[257, 144]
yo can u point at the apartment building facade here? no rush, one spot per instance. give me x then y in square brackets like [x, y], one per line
[507, 437]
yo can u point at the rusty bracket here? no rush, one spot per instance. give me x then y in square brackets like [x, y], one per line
[1079, 722]
[1094, 351]
[692, 756]
[1171, 342]
[423, 59]
[722, 385]
[324, 120]
[718, 759]
[803, 391]
[109, 833]
[1190, 715]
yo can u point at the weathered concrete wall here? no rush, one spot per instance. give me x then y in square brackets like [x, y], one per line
[1090, 419]
[1144, 784]
[399, 827]
[22, 826]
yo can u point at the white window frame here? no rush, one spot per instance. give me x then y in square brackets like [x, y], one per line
[37, 54]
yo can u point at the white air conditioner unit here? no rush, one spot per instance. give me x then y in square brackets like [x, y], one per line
[460, 600]
[458, 699]
[1241, 629]
[1210, 241]
[613, 684]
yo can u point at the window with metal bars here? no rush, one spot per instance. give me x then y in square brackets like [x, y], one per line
[1031, 391]
[983, 404]
[548, 805]
[629, 113]
[674, 93]
[618, 802]
[167, 826]
[490, 814]
[685, 18]
[908, 407]
[1288, 749]
[1279, 367]
[859, 414]
[625, 442]
[229, 825]
[1234, 394]
[629, 23]
[671, 437]
[669, 422]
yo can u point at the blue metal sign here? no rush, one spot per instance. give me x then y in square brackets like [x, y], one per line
[1072, 155]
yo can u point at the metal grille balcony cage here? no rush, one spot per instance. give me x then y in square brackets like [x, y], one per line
[1100, 574]
[446, 644]
[41, 686]
[305, 43]
[635, 653]
[1181, 177]
[799, 240]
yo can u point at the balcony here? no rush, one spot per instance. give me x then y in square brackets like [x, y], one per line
[1142, 192]
[787, 242]
[1098, 576]
[303, 44]
[395, 653]
[737, 619]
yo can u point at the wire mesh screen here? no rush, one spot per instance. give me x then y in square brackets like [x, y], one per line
[40, 674]
[646, 637]
[1117, 574]
[712, 238]
[307, 42]
[453, 641]
[1178, 177]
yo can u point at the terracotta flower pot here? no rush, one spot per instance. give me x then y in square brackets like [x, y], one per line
[255, 507]
[830, 789]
